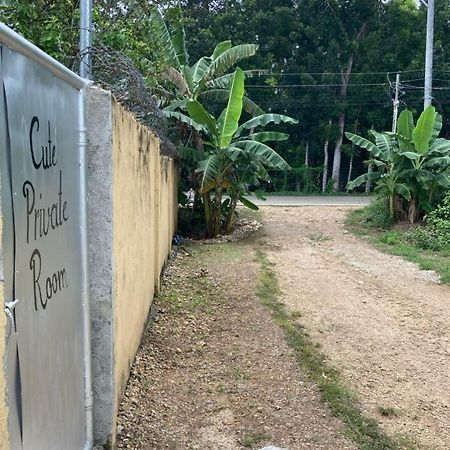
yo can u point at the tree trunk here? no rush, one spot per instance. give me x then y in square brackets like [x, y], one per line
[391, 206]
[217, 210]
[325, 166]
[369, 184]
[208, 214]
[413, 211]
[345, 77]
[338, 153]
[307, 155]
[230, 216]
[350, 169]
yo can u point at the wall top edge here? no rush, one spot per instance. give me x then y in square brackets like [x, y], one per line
[15, 42]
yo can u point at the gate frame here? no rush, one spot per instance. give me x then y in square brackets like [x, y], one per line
[15, 42]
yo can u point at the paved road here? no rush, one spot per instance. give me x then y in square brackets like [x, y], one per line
[313, 200]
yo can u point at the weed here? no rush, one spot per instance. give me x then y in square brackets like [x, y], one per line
[364, 431]
[171, 299]
[318, 237]
[147, 383]
[296, 314]
[253, 438]
[373, 216]
[387, 411]
[240, 374]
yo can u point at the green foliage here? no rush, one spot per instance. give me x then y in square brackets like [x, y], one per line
[439, 219]
[52, 26]
[426, 238]
[234, 159]
[374, 216]
[435, 234]
[303, 47]
[207, 78]
[412, 164]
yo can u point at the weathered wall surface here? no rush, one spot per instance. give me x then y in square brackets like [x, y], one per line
[100, 201]
[136, 234]
[132, 218]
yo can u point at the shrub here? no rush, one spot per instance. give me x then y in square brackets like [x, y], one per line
[439, 219]
[375, 215]
[423, 237]
[435, 235]
[391, 237]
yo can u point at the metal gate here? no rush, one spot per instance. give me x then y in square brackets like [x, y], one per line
[44, 245]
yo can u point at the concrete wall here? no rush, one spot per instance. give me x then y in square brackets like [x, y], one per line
[132, 218]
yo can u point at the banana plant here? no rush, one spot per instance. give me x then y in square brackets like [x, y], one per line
[235, 155]
[206, 80]
[388, 176]
[412, 163]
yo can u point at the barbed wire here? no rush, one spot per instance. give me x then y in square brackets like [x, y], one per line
[117, 73]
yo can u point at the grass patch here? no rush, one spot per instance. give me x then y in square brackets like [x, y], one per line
[362, 430]
[224, 252]
[240, 374]
[192, 290]
[399, 242]
[253, 438]
[426, 260]
[372, 216]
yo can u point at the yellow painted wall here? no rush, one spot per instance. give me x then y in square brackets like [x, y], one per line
[4, 443]
[144, 221]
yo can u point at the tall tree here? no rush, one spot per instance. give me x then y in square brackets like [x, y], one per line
[339, 29]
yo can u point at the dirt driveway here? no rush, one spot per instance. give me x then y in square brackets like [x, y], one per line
[381, 321]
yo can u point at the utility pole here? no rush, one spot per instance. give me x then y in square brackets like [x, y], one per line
[85, 38]
[429, 54]
[396, 103]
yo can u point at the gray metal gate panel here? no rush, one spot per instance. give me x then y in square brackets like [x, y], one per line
[43, 126]
[7, 273]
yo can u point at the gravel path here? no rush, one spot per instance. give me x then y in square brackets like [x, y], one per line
[380, 320]
[214, 371]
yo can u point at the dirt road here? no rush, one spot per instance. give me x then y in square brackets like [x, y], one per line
[214, 371]
[381, 321]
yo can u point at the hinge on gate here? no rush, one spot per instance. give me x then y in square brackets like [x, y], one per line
[9, 311]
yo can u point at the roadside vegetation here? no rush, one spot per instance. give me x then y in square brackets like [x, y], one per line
[222, 156]
[426, 244]
[410, 215]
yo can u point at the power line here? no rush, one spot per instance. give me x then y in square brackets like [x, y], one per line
[297, 86]
[286, 86]
[434, 88]
[268, 74]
